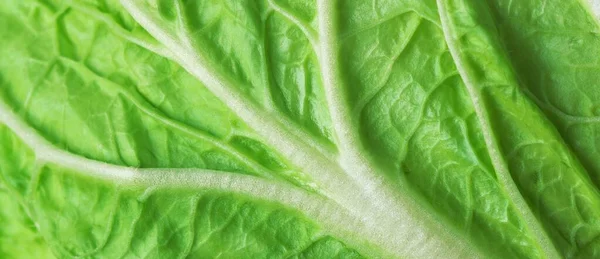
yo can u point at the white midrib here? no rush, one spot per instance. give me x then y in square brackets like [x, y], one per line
[271, 131]
[386, 198]
[350, 182]
[335, 219]
[324, 46]
[314, 206]
[351, 159]
[500, 166]
[330, 178]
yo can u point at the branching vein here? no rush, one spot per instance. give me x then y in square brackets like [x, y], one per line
[500, 166]
[336, 218]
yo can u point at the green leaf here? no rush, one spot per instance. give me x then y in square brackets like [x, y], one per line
[299, 128]
[19, 237]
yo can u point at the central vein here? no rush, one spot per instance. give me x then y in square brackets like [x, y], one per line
[402, 227]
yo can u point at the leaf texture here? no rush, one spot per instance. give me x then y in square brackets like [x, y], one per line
[299, 129]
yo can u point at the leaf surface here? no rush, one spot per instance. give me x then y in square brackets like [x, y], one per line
[299, 128]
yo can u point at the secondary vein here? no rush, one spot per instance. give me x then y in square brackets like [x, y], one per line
[337, 219]
[373, 200]
[500, 166]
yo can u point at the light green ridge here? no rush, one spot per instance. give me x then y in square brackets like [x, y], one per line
[491, 81]
[456, 22]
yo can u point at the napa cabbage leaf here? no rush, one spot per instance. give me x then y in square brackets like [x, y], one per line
[299, 129]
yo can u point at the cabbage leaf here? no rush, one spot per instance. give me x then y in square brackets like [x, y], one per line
[299, 129]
